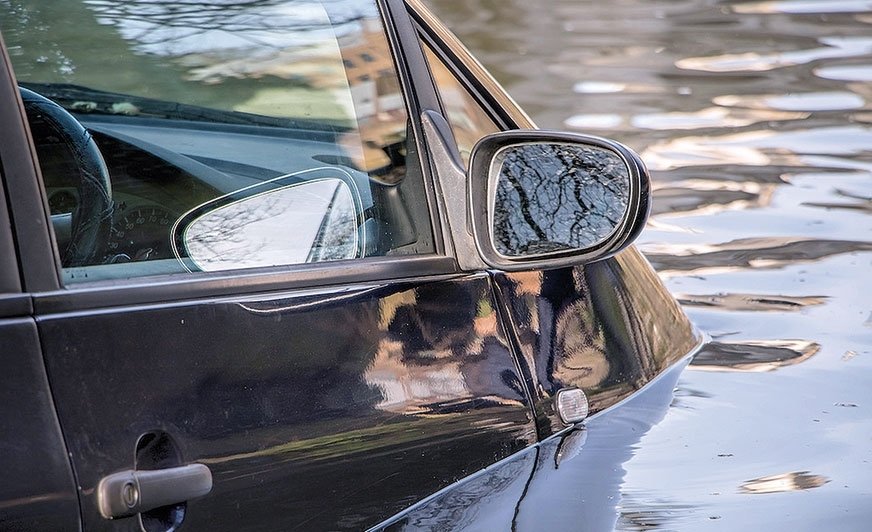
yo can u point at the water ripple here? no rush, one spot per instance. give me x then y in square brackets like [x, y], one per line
[805, 7]
[752, 302]
[753, 355]
[834, 48]
[747, 253]
[797, 101]
[755, 118]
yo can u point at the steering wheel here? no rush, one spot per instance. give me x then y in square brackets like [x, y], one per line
[55, 130]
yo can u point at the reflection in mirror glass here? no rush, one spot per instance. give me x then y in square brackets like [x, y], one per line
[313, 221]
[549, 197]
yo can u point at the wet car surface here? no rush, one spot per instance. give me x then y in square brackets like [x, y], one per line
[755, 120]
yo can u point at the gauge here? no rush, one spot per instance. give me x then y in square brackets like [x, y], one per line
[141, 233]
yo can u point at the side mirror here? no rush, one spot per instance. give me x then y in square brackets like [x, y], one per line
[542, 199]
[280, 222]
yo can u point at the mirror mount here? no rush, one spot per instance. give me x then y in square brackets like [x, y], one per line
[452, 190]
[545, 199]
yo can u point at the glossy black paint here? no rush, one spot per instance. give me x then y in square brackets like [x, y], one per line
[22, 185]
[38, 491]
[330, 409]
[608, 328]
[571, 481]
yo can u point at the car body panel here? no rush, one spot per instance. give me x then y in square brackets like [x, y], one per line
[608, 328]
[570, 481]
[38, 491]
[327, 408]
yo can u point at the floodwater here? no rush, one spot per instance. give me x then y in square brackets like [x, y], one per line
[755, 119]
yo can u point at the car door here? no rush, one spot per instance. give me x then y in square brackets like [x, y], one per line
[315, 393]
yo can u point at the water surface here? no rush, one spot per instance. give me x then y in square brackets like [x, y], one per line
[756, 121]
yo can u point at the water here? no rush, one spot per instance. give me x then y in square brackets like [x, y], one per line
[756, 121]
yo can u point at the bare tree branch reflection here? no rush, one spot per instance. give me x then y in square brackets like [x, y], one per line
[242, 18]
[553, 197]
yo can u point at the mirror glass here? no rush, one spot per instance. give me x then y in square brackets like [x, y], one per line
[553, 197]
[312, 221]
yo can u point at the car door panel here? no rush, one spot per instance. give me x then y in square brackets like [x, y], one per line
[607, 327]
[329, 408]
[38, 491]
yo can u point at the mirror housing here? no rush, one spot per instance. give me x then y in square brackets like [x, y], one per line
[545, 199]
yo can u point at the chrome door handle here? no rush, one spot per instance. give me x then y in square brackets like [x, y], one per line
[135, 491]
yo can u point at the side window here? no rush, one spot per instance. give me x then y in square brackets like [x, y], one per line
[468, 120]
[235, 136]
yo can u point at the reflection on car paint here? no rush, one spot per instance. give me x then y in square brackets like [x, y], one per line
[346, 406]
[577, 472]
[724, 198]
[603, 328]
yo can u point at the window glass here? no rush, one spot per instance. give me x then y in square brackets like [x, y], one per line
[177, 136]
[469, 122]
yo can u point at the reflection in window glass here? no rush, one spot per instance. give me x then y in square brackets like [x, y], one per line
[469, 122]
[184, 106]
[251, 230]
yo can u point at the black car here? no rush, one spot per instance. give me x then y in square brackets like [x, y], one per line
[301, 264]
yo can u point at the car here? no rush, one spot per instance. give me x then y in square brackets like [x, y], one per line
[304, 264]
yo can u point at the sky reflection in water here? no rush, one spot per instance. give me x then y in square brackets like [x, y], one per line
[756, 120]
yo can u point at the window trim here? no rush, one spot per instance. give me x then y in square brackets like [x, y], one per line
[203, 285]
[420, 95]
[493, 98]
[40, 262]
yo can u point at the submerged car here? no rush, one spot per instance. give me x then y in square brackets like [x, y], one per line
[303, 265]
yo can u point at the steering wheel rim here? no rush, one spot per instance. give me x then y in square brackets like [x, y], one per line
[92, 217]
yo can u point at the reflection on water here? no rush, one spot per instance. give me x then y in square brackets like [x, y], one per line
[758, 302]
[833, 47]
[805, 6]
[764, 355]
[846, 73]
[747, 253]
[809, 101]
[800, 480]
[754, 118]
